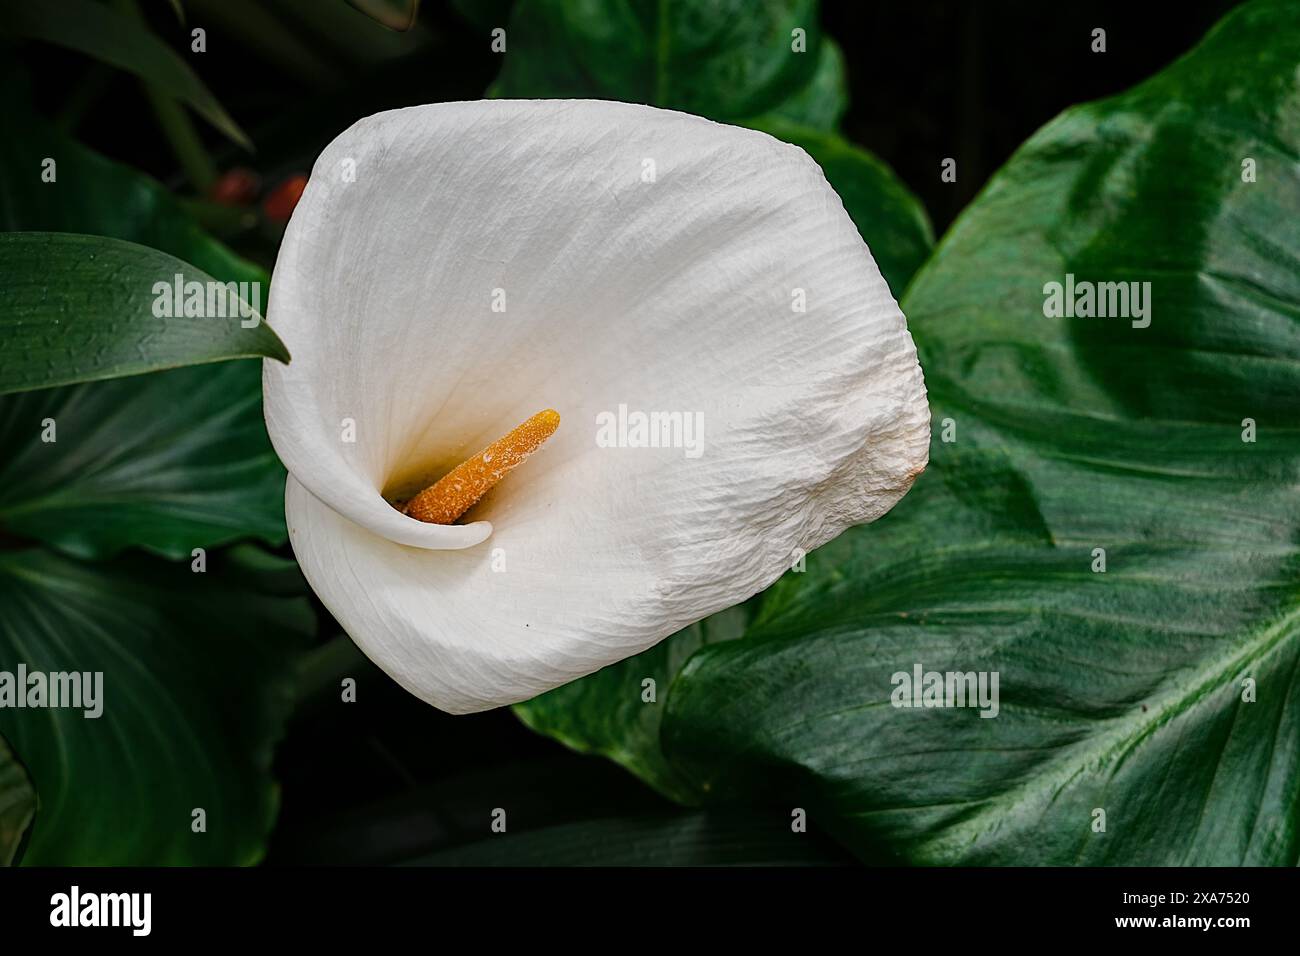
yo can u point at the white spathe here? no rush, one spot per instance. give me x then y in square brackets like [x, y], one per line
[644, 258]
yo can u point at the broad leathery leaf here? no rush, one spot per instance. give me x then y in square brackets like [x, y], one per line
[616, 712]
[169, 461]
[197, 680]
[726, 59]
[77, 308]
[1149, 713]
[819, 104]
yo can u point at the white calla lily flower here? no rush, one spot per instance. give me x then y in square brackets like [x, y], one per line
[452, 269]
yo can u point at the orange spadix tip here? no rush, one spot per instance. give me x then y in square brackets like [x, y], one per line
[461, 488]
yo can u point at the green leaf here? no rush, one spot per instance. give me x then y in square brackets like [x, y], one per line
[93, 195]
[820, 104]
[120, 41]
[17, 805]
[890, 219]
[734, 838]
[726, 59]
[608, 713]
[82, 308]
[197, 681]
[169, 461]
[1164, 692]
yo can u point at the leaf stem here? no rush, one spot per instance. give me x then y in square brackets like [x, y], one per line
[184, 140]
[176, 126]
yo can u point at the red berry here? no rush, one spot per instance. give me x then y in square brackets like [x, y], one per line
[235, 187]
[278, 205]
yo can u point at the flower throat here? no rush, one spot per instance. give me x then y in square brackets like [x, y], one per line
[461, 488]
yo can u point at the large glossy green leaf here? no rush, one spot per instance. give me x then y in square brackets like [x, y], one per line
[725, 59]
[197, 681]
[169, 461]
[735, 838]
[616, 714]
[77, 308]
[1162, 692]
[17, 805]
[121, 41]
[197, 666]
[820, 104]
